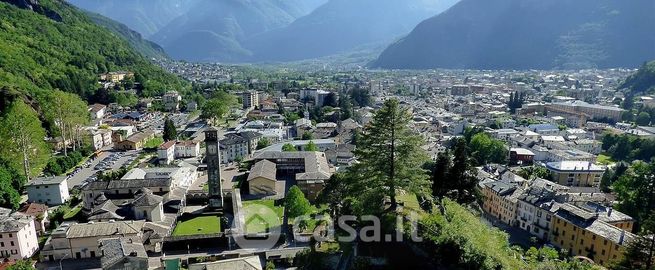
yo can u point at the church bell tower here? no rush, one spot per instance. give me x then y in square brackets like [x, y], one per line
[213, 160]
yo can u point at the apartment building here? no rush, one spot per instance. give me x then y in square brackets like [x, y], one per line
[576, 173]
[501, 200]
[250, 99]
[595, 111]
[48, 190]
[18, 237]
[584, 233]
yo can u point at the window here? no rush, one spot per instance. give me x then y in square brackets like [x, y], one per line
[2, 244]
[11, 235]
[12, 243]
[602, 252]
[604, 242]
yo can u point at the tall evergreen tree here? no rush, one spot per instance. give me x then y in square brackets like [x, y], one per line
[390, 156]
[170, 132]
[440, 182]
[462, 173]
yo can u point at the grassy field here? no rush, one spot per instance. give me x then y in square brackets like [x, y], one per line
[199, 225]
[261, 215]
[410, 201]
[604, 159]
[73, 212]
[154, 142]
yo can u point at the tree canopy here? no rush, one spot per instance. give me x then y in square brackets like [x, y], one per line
[390, 158]
[23, 139]
[311, 147]
[287, 147]
[170, 132]
[296, 204]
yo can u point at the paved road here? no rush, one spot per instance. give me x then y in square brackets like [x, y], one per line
[517, 236]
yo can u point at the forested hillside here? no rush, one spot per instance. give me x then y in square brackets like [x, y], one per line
[146, 47]
[643, 81]
[56, 46]
[51, 54]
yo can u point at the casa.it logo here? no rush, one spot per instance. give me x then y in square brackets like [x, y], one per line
[257, 227]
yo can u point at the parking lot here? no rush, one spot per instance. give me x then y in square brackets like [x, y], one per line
[104, 162]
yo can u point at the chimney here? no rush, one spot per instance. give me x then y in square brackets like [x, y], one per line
[622, 237]
[609, 211]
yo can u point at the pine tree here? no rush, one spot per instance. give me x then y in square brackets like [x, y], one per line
[170, 132]
[462, 174]
[440, 182]
[390, 157]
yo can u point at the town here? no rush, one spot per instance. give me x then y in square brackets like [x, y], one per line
[170, 184]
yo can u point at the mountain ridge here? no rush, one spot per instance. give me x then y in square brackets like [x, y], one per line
[519, 34]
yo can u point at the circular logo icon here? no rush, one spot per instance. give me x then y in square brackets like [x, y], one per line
[256, 226]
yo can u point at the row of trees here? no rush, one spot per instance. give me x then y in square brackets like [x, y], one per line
[217, 108]
[66, 113]
[626, 147]
[515, 101]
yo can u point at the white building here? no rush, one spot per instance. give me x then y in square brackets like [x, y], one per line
[250, 99]
[18, 239]
[187, 149]
[233, 147]
[48, 190]
[171, 100]
[316, 95]
[166, 152]
[97, 111]
[100, 138]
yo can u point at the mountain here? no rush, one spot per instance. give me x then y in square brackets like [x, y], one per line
[50, 44]
[643, 81]
[212, 30]
[144, 16]
[145, 47]
[529, 34]
[341, 25]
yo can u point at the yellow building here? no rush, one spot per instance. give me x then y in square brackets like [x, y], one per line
[575, 173]
[501, 200]
[585, 233]
[261, 180]
[135, 142]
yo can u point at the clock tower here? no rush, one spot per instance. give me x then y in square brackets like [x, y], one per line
[213, 160]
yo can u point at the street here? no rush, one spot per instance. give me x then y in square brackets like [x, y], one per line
[516, 235]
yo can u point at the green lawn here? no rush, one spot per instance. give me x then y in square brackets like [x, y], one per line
[261, 215]
[154, 142]
[604, 159]
[410, 201]
[199, 225]
[73, 212]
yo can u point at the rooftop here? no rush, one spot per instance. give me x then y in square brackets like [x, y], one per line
[96, 229]
[574, 166]
[54, 180]
[263, 168]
